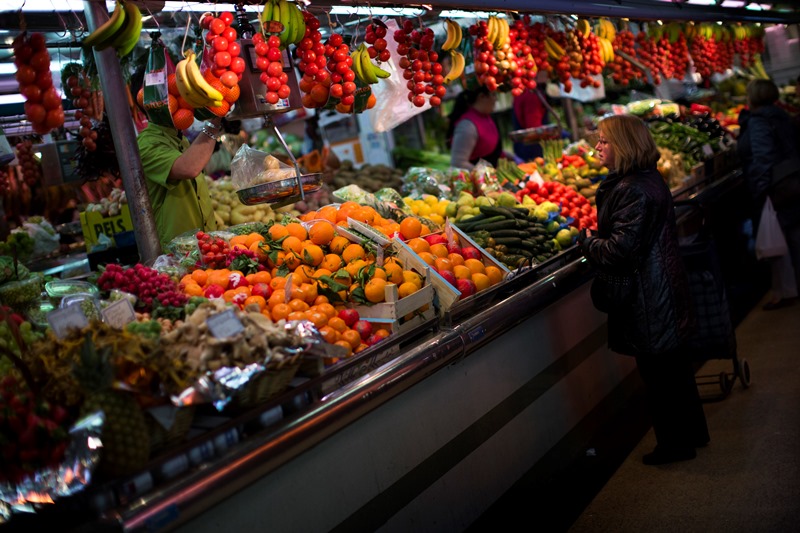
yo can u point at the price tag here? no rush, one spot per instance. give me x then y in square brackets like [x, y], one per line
[63, 320]
[224, 324]
[155, 78]
[707, 150]
[119, 314]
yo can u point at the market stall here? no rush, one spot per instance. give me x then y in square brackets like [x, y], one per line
[387, 346]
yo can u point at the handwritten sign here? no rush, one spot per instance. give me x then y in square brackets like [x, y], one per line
[225, 324]
[119, 314]
[65, 319]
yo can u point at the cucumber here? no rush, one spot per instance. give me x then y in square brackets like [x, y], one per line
[497, 211]
[508, 241]
[520, 251]
[481, 223]
[502, 224]
[528, 244]
[510, 233]
[477, 218]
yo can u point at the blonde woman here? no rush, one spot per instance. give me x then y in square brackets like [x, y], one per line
[642, 285]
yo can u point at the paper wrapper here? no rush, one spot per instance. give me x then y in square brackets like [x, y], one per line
[70, 477]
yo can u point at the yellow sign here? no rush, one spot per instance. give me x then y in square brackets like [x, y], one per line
[95, 224]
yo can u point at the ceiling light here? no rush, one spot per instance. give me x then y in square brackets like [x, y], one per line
[48, 5]
[378, 11]
[458, 14]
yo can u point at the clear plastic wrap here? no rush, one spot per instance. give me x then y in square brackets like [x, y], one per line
[251, 167]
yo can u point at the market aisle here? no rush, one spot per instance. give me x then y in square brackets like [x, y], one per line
[748, 479]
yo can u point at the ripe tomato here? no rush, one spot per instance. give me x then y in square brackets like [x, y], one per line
[216, 26]
[275, 69]
[51, 99]
[25, 75]
[31, 93]
[44, 80]
[55, 118]
[229, 33]
[222, 59]
[36, 112]
[229, 79]
[40, 60]
[220, 44]
[234, 48]
[237, 65]
[226, 17]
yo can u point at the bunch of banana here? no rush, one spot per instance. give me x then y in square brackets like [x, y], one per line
[192, 86]
[583, 27]
[456, 67]
[757, 68]
[606, 50]
[288, 14]
[454, 36]
[605, 29]
[554, 50]
[673, 31]
[498, 31]
[655, 31]
[121, 31]
[365, 69]
[741, 32]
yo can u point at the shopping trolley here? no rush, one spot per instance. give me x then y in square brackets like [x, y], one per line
[714, 336]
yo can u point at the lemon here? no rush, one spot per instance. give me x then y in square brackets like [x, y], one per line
[437, 218]
[424, 210]
[430, 199]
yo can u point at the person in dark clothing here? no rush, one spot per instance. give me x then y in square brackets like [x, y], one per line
[767, 138]
[472, 133]
[635, 255]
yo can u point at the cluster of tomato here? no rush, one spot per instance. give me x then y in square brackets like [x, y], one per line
[31, 169]
[677, 56]
[312, 61]
[703, 52]
[622, 70]
[420, 63]
[747, 48]
[42, 102]
[213, 250]
[651, 55]
[484, 58]
[569, 63]
[269, 61]
[592, 63]
[227, 66]
[573, 204]
[84, 109]
[524, 67]
[375, 37]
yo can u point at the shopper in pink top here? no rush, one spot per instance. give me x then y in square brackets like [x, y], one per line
[472, 133]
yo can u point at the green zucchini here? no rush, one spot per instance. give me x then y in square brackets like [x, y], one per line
[481, 223]
[502, 224]
[497, 211]
[508, 241]
[510, 233]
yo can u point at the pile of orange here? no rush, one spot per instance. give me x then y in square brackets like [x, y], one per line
[440, 259]
[408, 228]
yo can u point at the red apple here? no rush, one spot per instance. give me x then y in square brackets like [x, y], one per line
[261, 289]
[435, 238]
[470, 252]
[448, 276]
[213, 291]
[454, 248]
[374, 339]
[363, 328]
[350, 317]
[466, 287]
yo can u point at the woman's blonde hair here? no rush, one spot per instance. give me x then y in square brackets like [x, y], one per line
[634, 147]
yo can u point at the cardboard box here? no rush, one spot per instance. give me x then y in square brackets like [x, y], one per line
[95, 224]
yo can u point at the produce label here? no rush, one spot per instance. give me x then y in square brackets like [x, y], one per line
[94, 224]
[119, 314]
[63, 320]
[224, 325]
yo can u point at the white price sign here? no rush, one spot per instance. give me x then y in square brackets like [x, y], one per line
[63, 320]
[119, 314]
[225, 324]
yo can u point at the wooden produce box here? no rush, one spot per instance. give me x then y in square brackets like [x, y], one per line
[95, 224]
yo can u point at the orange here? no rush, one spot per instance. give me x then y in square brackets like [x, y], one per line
[293, 244]
[303, 274]
[428, 258]
[280, 257]
[228, 295]
[321, 233]
[329, 334]
[310, 290]
[320, 299]
[277, 283]
[239, 239]
[495, 274]
[353, 252]
[410, 228]
[261, 250]
[343, 224]
[332, 262]
[456, 259]
[440, 250]
[252, 238]
[172, 103]
[346, 345]
[407, 289]
[342, 277]
[419, 245]
[481, 281]
[278, 231]
[219, 277]
[296, 315]
[200, 276]
[462, 272]
[328, 213]
[412, 277]
[298, 292]
[280, 311]
[443, 263]
[312, 255]
[380, 273]
[326, 308]
[259, 277]
[318, 319]
[425, 230]
[297, 304]
[192, 289]
[351, 336]
[475, 265]
[374, 290]
[361, 347]
[297, 230]
[220, 110]
[337, 323]
[172, 86]
[338, 244]
[394, 273]
[292, 260]
[382, 333]
[392, 261]
[256, 300]
[277, 297]
[318, 273]
[355, 266]
[364, 214]
[183, 119]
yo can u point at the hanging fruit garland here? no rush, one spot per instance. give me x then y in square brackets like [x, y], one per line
[312, 63]
[592, 62]
[42, 101]
[648, 54]
[622, 71]
[524, 75]
[560, 61]
[31, 168]
[420, 63]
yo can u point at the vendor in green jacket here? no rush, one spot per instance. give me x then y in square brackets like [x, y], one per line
[176, 184]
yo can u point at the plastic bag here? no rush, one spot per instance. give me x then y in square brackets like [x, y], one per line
[485, 178]
[46, 239]
[392, 107]
[156, 85]
[421, 180]
[251, 167]
[770, 241]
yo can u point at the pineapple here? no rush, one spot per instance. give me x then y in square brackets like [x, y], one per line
[125, 436]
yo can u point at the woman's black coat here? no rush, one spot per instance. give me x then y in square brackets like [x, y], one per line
[637, 232]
